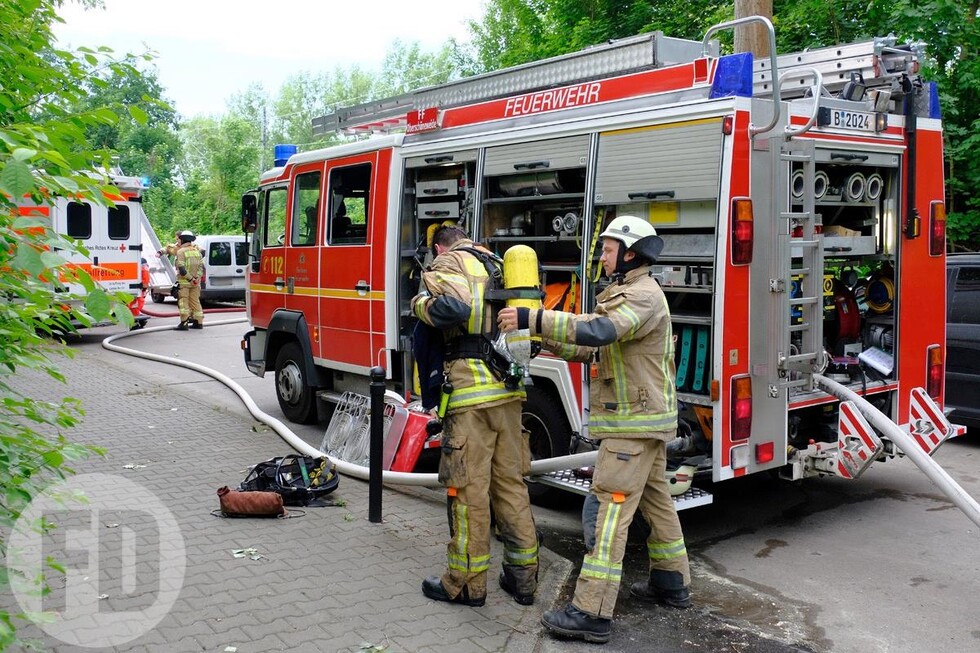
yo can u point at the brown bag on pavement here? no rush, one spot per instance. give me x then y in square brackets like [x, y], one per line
[250, 504]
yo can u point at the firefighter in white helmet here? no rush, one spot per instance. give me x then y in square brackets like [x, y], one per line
[190, 268]
[633, 415]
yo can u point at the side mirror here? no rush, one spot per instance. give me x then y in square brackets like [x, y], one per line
[249, 214]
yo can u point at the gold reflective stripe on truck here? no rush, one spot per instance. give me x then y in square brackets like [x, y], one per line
[331, 293]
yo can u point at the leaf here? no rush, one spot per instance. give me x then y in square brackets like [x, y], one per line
[97, 305]
[52, 259]
[16, 178]
[138, 114]
[24, 154]
[29, 260]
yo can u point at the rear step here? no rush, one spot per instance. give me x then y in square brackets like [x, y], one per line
[567, 479]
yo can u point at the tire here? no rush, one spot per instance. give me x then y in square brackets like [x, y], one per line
[550, 437]
[297, 398]
[158, 298]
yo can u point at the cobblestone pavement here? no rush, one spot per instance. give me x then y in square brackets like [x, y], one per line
[327, 581]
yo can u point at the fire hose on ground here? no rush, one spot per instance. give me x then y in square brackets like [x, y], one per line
[909, 447]
[348, 469]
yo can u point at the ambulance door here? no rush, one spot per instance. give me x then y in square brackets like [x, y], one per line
[303, 251]
[112, 237]
[351, 290]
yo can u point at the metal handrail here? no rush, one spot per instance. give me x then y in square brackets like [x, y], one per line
[772, 61]
[817, 90]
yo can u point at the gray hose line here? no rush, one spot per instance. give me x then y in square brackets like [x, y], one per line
[303, 447]
[908, 445]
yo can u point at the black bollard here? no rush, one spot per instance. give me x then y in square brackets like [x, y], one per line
[377, 443]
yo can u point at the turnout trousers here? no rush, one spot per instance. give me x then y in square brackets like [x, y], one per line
[189, 302]
[484, 459]
[629, 475]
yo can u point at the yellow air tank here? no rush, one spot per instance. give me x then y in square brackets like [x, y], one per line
[521, 271]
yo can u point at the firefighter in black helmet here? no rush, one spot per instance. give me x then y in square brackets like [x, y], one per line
[190, 269]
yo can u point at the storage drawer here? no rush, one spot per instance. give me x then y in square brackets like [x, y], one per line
[438, 210]
[437, 188]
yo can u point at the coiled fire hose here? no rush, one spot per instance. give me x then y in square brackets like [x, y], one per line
[348, 469]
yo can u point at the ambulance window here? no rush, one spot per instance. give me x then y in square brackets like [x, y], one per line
[306, 206]
[79, 220]
[350, 189]
[275, 217]
[119, 222]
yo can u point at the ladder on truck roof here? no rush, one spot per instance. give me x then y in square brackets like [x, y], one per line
[878, 62]
[617, 57]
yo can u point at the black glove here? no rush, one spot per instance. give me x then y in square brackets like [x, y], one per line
[182, 271]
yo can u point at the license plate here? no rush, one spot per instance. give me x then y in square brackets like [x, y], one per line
[843, 119]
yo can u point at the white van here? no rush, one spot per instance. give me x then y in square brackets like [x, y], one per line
[225, 258]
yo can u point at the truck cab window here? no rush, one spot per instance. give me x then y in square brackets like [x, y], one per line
[349, 192]
[273, 217]
[306, 207]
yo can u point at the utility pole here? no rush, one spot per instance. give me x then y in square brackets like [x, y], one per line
[752, 38]
[262, 167]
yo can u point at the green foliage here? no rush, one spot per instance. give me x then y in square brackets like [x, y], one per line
[43, 151]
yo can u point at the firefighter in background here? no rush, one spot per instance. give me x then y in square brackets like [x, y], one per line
[190, 268]
[484, 454]
[633, 415]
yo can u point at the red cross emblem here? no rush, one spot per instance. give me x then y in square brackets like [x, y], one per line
[122, 247]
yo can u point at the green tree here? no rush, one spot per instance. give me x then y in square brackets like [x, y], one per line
[221, 164]
[43, 151]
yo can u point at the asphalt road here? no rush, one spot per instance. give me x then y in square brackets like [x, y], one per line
[883, 564]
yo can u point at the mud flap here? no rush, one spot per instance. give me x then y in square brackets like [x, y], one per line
[857, 443]
[927, 424]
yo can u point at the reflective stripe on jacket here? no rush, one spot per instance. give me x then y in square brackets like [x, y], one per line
[452, 299]
[634, 395]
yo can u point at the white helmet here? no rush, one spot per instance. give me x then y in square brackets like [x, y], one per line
[186, 236]
[637, 235]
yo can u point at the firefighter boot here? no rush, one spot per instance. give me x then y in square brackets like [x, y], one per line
[196, 325]
[666, 587]
[432, 588]
[572, 622]
[511, 582]
[182, 326]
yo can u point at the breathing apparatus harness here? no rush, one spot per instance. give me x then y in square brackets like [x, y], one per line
[480, 345]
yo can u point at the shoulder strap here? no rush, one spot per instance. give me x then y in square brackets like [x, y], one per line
[496, 293]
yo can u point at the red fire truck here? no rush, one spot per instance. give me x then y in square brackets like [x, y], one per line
[800, 198]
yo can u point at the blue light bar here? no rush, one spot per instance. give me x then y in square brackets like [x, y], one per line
[733, 76]
[934, 110]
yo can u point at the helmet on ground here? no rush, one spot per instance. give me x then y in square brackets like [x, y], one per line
[637, 235]
[679, 480]
[186, 236]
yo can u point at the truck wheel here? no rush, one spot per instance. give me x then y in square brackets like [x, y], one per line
[550, 437]
[158, 298]
[297, 398]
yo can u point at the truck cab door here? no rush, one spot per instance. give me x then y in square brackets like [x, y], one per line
[352, 295]
[267, 269]
[304, 235]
